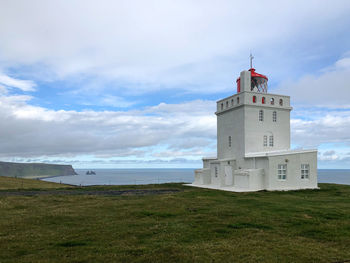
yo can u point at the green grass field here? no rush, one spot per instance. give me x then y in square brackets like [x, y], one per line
[193, 225]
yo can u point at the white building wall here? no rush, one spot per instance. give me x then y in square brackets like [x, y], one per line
[230, 123]
[293, 179]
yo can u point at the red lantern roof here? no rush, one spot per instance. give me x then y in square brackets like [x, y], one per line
[253, 74]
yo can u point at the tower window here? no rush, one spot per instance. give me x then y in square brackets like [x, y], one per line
[282, 172]
[305, 170]
[237, 100]
[265, 140]
[271, 141]
[274, 116]
[281, 102]
[263, 100]
[272, 101]
[229, 141]
[222, 106]
[254, 99]
[261, 115]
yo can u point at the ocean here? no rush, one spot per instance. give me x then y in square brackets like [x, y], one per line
[157, 176]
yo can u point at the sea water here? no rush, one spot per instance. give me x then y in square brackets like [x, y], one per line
[157, 176]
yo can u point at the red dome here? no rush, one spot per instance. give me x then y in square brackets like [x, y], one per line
[253, 75]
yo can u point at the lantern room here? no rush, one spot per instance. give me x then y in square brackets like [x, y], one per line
[253, 81]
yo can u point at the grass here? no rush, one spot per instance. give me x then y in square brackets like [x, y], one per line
[7, 183]
[194, 225]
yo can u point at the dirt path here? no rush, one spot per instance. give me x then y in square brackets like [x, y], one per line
[91, 192]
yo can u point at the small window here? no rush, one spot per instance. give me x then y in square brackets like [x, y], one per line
[222, 106]
[237, 100]
[261, 115]
[274, 116]
[282, 172]
[305, 171]
[271, 141]
[263, 100]
[265, 140]
[281, 102]
[232, 102]
[272, 101]
[226, 104]
[229, 141]
[216, 171]
[254, 99]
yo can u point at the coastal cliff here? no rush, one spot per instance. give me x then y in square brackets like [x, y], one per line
[35, 170]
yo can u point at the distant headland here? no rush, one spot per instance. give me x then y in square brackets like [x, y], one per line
[35, 170]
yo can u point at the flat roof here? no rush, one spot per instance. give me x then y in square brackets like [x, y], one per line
[276, 153]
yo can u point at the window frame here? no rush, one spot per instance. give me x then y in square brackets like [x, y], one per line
[305, 171]
[274, 116]
[271, 141]
[282, 172]
[261, 115]
[265, 140]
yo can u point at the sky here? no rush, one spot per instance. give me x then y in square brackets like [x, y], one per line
[134, 84]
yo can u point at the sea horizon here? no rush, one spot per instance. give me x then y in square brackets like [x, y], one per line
[138, 176]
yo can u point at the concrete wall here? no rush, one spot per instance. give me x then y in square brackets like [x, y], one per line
[255, 129]
[293, 180]
[230, 123]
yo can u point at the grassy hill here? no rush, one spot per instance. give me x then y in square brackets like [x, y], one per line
[34, 170]
[192, 225]
[7, 183]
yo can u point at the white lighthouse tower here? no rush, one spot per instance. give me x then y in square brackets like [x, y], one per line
[253, 143]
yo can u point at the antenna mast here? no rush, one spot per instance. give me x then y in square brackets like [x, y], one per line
[251, 60]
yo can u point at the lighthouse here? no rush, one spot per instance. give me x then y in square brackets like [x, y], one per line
[253, 143]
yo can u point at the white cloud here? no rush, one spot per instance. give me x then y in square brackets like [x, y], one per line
[25, 85]
[33, 131]
[329, 88]
[155, 45]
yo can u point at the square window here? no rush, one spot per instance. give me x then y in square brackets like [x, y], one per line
[282, 172]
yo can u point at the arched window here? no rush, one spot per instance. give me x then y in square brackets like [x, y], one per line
[254, 99]
[271, 141]
[232, 102]
[229, 141]
[263, 100]
[261, 115]
[226, 104]
[222, 106]
[272, 101]
[265, 140]
[274, 116]
[237, 100]
[281, 102]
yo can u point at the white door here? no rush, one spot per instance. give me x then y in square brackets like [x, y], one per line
[242, 181]
[228, 175]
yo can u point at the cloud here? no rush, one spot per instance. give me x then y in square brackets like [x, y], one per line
[33, 131]
[24, 85]
[329, 88]
[331, 126]
[161, 45]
